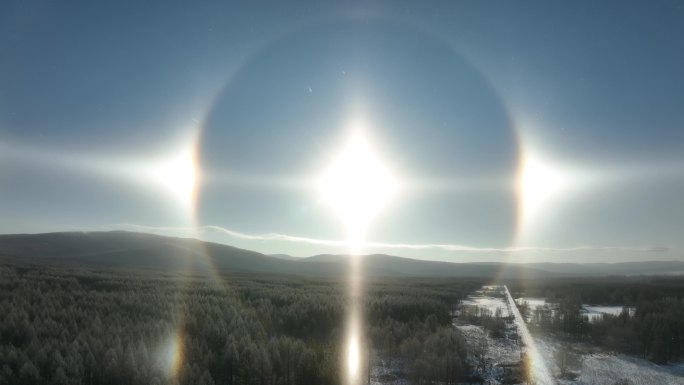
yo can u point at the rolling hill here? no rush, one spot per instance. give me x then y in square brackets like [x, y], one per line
[120, 249]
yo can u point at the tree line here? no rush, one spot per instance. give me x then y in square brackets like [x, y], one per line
[653, 328]
[62, 325]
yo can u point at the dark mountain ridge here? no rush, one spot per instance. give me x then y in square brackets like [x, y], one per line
[121, 249]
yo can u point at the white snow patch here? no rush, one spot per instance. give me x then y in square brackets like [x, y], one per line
[605, 369]
[490, 298]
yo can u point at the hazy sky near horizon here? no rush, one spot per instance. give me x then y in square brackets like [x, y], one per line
[107, 111]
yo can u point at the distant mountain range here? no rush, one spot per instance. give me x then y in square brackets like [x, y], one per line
[120, 249]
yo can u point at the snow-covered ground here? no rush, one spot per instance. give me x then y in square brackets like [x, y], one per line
[540, 370]
[614, 310]
[532, 302]
[499, 350]
[607, 369]
[502, 354]
[490, 298]
[593, 368]
[387, 372]
[593, 312]
[494, 359]
[596, 312]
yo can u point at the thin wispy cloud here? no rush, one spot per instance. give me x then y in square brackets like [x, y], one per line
[198, 231]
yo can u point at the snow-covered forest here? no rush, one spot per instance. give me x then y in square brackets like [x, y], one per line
[81, 326]
[62, 325]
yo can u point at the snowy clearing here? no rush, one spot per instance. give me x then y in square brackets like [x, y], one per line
[490, 298]
[605, 369]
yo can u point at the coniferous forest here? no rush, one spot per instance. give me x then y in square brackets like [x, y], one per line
[81, 326]
[651, 324]
[64, 325]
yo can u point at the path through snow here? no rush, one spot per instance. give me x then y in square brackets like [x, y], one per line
[540, 371]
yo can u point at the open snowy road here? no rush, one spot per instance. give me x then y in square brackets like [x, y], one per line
[540, 371]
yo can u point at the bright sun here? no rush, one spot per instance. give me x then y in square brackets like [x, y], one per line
[541, 183]
[357, 186]
[178, 174]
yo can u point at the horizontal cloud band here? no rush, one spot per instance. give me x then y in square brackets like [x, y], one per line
[198, 230]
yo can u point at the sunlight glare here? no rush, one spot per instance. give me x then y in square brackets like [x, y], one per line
[171, 355]
[178, 174]
[353, 356]
[357, 186]
[539, 183]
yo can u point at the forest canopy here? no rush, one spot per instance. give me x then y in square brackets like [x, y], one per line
[81, 326]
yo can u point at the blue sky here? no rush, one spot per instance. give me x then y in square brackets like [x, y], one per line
[97, 101]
